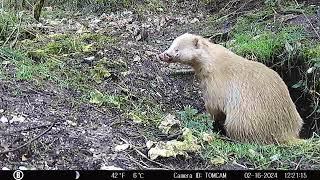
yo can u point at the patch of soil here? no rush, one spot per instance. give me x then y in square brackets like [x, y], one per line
[84, 136]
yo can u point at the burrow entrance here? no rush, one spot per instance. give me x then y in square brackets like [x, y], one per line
[304, 100]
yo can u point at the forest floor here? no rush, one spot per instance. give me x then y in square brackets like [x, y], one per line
[86, 83]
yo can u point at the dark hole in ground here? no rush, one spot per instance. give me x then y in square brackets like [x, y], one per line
[303, 100]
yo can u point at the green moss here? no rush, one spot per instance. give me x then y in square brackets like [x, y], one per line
[99, 73]
[62, 44]
[312, 52]
[262, 46]
[96, 97]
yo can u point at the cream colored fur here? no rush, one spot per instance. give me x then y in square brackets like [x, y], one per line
[253, 97]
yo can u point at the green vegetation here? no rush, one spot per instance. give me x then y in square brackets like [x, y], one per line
[145, 111]
[97, 97]
[64, 44]
[199, 123]
[259, 40]
[9, 23]
[283, 46]
[219, 151]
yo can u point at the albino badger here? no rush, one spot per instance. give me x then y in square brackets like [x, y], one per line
[250, 100]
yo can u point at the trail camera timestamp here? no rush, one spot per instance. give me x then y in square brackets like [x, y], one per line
[261, 175]
[295, 175]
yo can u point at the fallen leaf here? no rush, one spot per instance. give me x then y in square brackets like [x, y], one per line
[97, 97]
[17, 119]
[275, 157]
[174, 147]
[24, 158]
[169, 124]
[135, 118]
[217, 161]
[207, 137]
[121, 147]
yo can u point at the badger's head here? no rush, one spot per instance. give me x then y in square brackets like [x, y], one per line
[184, 49]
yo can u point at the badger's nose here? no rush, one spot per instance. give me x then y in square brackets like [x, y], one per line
[165, 57]
[161, 56]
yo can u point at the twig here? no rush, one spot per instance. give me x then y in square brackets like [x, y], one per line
[30, 128]
[18, 33]
[240, 165]
[228, 139]
[98, 110]
[230, 2]
[8, 38]
[30, 141]
[298, 164]
[314, 110]
[236, 11]
[182, 72]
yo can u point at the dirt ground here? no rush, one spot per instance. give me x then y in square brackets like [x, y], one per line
[84, 135]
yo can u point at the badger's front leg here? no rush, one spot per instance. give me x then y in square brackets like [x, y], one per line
[219, 118]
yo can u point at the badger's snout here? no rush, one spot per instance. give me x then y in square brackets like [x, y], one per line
[165, 57]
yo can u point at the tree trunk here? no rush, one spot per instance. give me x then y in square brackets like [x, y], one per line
[37, 9]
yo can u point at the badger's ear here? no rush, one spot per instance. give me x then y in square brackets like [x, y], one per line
[195, 42]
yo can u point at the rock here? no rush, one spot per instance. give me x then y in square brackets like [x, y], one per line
[149, 144]
[71, 123]
[49, 8]
[136, 58]
[23, 168]
[150, 53]
[121, 147]
[194, 20]
[89, 59]
[3, 119]
[18, 118]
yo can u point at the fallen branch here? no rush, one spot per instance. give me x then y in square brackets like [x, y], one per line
[314, 29]
[30, 141]
[32, 128]
[182, 72]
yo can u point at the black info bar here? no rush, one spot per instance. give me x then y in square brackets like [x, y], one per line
[157, 174]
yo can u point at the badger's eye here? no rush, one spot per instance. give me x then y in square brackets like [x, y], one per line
[176, 50]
